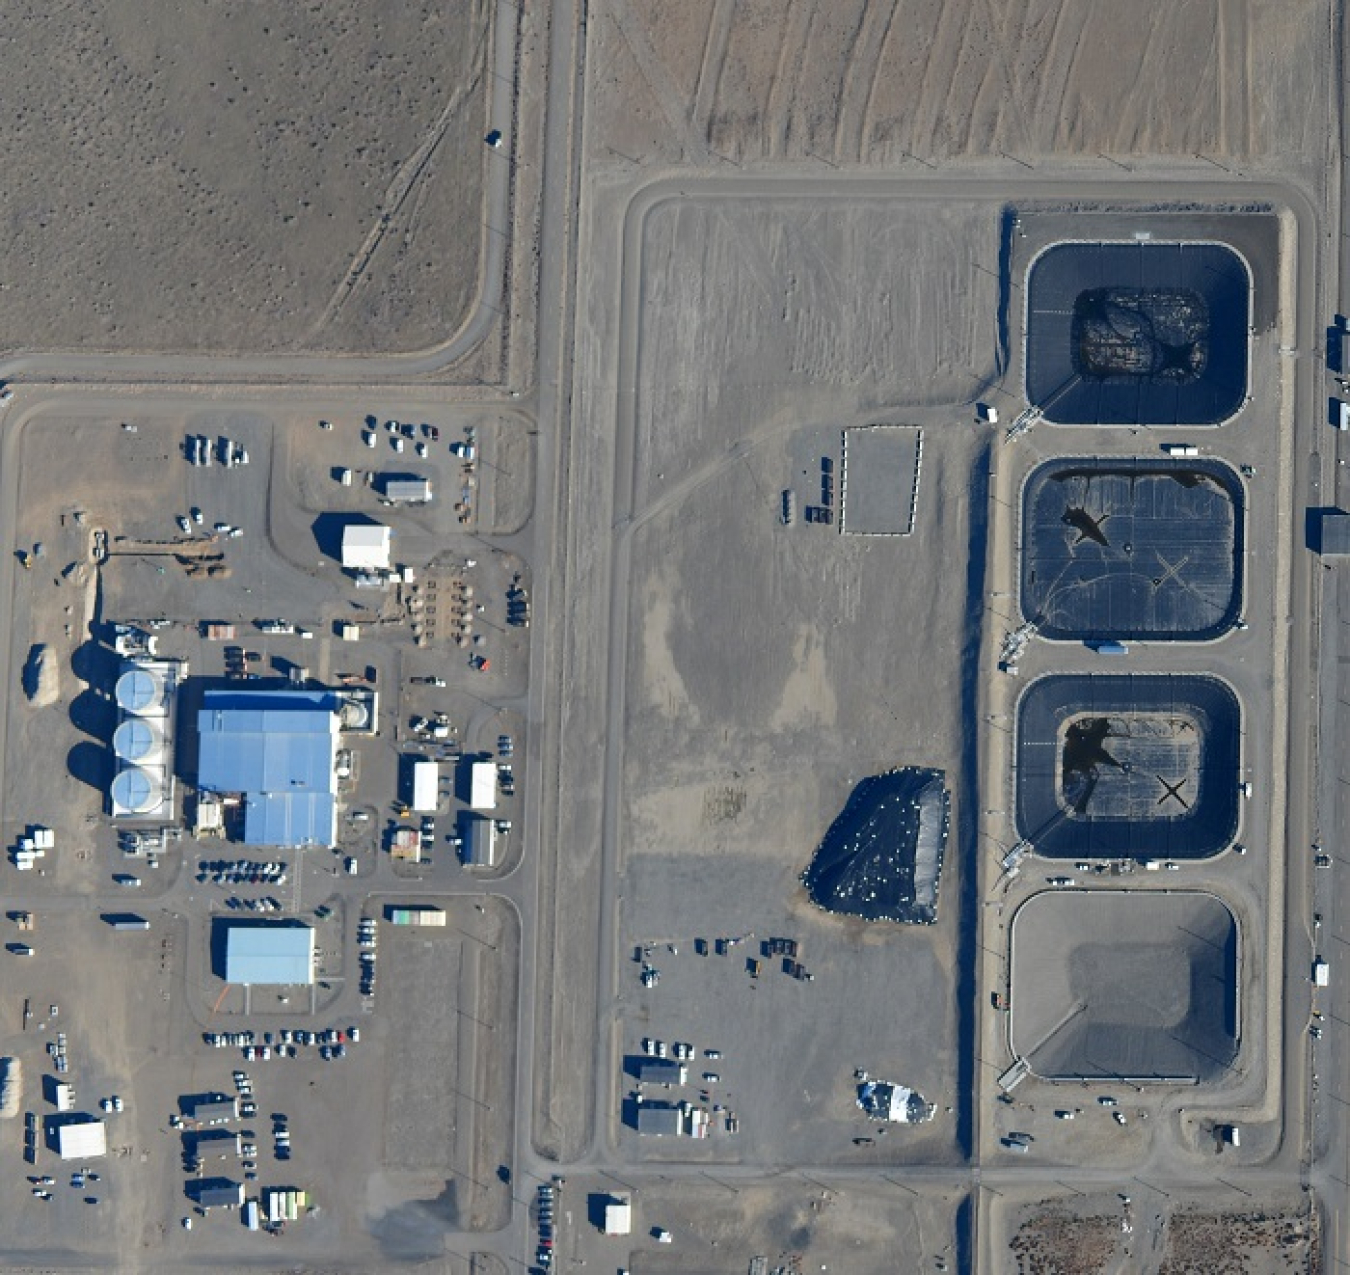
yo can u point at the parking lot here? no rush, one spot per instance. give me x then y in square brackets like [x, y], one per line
[788, 1046]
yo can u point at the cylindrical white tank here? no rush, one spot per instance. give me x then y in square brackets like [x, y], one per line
[136, 790]
[139, 740]
[140, 691]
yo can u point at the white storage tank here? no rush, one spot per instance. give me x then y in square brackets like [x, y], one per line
[136, 791]
[140, 691]
[139, 740]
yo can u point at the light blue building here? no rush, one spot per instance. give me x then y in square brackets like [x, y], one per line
[278, 750]
[276, 953]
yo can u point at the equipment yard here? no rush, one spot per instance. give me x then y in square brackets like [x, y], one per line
[697, 639]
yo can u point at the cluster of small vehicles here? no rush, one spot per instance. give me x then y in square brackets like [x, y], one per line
[240, 872]
[518, 605]
[281, 1136]
[237, 661]
[56, 1050]
[400, 434]
[287, 1043]
[366, 933]
[198, 450]
[79, 1179]
[268, 904]
[545, 1253]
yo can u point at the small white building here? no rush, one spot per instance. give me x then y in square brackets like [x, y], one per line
[366, 547]
[81, 1138]
[483, 786]
[618, 1215]
[426, 781]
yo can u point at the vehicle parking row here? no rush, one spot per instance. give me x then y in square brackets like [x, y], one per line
[240, 872]
[544, 1254]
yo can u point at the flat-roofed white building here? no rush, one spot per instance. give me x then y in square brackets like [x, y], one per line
[619, 1215]
[483, 786]
[366, 547]
[426, 782]
[81, 1137]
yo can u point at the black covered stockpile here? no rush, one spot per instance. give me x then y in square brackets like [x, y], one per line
[882, 856]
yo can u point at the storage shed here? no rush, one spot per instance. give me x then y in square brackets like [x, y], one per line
[619, 1215]
[366, 547]
[480, 841]
[80, 1137]
[659, 1120]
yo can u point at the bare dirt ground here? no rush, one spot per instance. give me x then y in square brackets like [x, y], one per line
[789, 1225]
[764, 328]
[242, 177]
[447, 1111]
[1137, 1231]
[1254, 1243]
[1052, 1243]
[862, 82]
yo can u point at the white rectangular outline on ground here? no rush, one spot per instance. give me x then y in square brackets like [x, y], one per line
[844, 528]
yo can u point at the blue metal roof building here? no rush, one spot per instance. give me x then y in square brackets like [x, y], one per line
[279, 954]
[279, 750]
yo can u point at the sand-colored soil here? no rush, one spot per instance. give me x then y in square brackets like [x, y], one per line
[241, 177]
[881, 81]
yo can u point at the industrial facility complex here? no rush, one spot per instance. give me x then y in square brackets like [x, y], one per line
[324, 825]
[264, 811]
[717, 642]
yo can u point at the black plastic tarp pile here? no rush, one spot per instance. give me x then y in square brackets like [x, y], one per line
[882, 857]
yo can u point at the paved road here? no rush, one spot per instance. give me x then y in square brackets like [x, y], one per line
[1330, 889]
[551, 404]
[1327, 482]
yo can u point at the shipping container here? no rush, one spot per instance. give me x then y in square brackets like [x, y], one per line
[416, 916]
